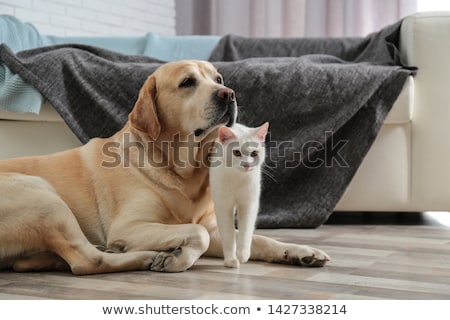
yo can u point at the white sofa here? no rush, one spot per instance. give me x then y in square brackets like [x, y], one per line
[407, 168]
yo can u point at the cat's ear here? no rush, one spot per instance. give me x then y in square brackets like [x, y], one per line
[261, 131]
[226, 134]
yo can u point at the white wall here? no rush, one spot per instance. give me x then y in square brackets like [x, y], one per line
[95, 17]
[433, 5]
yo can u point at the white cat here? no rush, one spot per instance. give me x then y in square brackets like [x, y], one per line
[235, 179]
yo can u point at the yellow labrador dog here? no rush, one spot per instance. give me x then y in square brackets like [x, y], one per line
[138, 200]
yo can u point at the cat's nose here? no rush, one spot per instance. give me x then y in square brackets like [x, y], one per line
[225, 94]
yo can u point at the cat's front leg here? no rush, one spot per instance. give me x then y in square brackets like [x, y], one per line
[243, 252]
[246, 225]
[225, 221]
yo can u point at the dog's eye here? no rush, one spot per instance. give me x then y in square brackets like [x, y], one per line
[188, 82]
[254, 154]
[236, 153]
[219, 80]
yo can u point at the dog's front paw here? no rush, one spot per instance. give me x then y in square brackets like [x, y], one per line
[168, 262]
[306, 256]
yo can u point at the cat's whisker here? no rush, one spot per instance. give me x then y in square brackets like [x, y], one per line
[266, 171]
[238, 110]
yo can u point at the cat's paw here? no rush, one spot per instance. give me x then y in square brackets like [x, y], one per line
[231, 262]
[243, 254]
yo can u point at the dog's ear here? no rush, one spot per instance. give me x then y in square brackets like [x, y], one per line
[144, 116]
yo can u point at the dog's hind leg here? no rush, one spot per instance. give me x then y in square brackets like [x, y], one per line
[41, 261]
[66, 239]
[68, 249]
[32, 230]
[85, 258]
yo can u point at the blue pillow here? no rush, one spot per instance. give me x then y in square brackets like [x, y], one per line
[173, 48]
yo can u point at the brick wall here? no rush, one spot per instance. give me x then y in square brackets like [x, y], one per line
[95, 17]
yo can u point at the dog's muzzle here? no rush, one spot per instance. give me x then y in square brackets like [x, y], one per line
[226, 104]
[225, 110]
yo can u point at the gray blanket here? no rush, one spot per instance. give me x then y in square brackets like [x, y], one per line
[325, 99]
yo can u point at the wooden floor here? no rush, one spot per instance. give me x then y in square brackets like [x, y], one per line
[392, 258]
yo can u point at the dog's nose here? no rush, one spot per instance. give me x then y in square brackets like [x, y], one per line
[225, 94]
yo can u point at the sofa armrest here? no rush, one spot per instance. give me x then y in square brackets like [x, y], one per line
[425, 43]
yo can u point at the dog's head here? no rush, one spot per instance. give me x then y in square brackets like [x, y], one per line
[183, 97]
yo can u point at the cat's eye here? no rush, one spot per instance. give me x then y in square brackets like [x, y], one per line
[254, 154]
[236, 153]
[219, 80]
[188, 82]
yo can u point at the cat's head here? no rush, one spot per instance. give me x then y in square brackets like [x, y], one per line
[243, 146]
